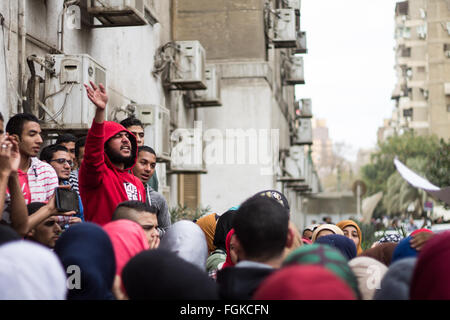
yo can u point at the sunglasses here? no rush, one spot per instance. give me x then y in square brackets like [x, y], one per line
[62, 161]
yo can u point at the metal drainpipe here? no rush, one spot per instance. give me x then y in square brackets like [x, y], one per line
[22, 51]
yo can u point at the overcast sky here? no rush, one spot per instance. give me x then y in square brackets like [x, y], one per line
[349, 67]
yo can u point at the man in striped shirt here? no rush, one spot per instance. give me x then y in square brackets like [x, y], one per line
[37, 179]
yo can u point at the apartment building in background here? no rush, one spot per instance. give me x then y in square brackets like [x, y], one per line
[422, 92]
[212, 81]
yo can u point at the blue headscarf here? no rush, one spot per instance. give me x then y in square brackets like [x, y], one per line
[404, 250]
[88, 246]
[345, 245]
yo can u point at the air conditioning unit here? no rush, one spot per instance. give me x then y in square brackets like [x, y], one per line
[117, 13]
[211, 96]
[422, 31]
[305, 108]
[156, 121]
[285, 29]
[301, 43]
[187, 72]
[295, 71]
[187, 152]
[304, 132]
[447, 88]
[66, 104]
[294, 164]
[293, 4]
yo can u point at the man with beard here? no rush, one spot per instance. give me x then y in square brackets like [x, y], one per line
[110, 152]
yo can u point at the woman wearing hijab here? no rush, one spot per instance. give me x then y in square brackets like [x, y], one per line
[208, 226]
[381, 252]
[353, 232]
[231, 259]
[369, 273]
[303, 282]
[188, 241]
[431, 279]
[325, 229]
[162, 275]
[128, 239]
[345, 245]
[29, 271]
[328, 257]
[89, 247]
[396, 282]
[218, 257]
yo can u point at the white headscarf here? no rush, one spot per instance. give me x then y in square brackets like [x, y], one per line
[188, 241]
[369, 273]
[30, 271]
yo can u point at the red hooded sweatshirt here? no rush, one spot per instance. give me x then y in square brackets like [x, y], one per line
[102, 185]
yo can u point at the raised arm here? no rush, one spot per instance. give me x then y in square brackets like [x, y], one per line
[90, 175]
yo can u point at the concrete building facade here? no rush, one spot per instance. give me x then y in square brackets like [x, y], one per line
[422, 92]
[248, 43]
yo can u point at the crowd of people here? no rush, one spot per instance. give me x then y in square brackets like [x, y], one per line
[119, 243]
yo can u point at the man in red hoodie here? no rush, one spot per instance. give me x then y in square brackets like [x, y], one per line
[110, 152]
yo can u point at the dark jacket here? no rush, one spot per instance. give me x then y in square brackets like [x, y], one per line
[240, 283]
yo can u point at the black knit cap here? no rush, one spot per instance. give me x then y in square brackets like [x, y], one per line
[276, 195]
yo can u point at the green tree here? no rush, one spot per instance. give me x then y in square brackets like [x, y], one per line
[405, 146]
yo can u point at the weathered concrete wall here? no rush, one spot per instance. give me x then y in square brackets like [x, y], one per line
[227, 29]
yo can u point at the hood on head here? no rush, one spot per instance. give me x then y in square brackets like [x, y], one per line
[112, 128]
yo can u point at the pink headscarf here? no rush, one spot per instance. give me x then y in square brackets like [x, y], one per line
[228, 262]
[128, 239]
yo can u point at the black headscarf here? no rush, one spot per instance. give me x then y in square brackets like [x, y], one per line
[161, 275]
[223, 226]
[8, 234]
[88, 246]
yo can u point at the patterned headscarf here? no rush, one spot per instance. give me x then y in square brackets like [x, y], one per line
[330, 258]
[345, 223]
[303, 282]
[394, 237]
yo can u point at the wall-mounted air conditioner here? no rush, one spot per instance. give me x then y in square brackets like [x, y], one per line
[293, 4]
[294, 163]
[187, 152]
[156, 121]
[301, 43]
[295, 71]
[285, 29]
[305, 108]
[187, 72]
[66, 105]
[211, 96]
[119, 13]
[304, 132]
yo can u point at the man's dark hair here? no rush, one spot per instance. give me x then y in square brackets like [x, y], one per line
[122, 211]
[34, 206]
[66, 137]
[131, 121]
[48, 152]
[261, 225]
[16, 123]
[146, 149]
[81, 142]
